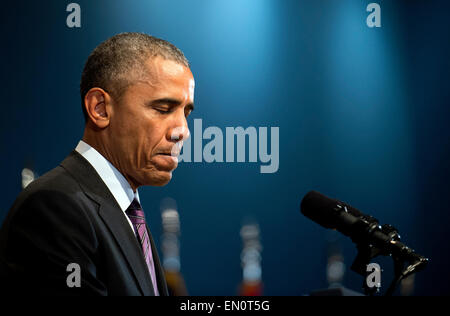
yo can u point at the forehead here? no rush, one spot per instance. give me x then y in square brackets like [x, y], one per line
[167, 67]
[162, 78]
[165, 73]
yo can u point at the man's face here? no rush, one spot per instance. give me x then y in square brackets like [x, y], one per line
[149, 123]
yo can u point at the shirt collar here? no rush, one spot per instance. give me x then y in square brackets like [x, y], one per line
[114, 180]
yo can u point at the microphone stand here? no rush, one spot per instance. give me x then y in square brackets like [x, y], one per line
[368, 251]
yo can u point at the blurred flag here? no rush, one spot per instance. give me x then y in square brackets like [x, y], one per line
[251, 261]
[171, 248]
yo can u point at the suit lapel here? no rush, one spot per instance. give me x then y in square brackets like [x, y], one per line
[113, 217]
[127, 241]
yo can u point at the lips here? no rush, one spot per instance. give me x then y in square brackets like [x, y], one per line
[165, 161]
[173, 151]
[175, 154]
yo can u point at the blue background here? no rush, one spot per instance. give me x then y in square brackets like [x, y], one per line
[363, 116]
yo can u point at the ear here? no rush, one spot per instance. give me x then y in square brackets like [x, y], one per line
[98, 107]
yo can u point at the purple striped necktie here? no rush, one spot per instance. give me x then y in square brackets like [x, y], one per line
[137, 218]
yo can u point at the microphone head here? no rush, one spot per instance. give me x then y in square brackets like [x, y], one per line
[327, 211]
[319, 208]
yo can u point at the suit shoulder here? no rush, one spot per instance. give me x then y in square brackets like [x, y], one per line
[57, 179]
[54, 202]
[53, 191]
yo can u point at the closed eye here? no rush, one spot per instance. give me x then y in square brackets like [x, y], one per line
[164, 105]
[168, 105]
[164, 111]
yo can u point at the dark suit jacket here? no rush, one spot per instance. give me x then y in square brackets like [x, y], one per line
[68, 215]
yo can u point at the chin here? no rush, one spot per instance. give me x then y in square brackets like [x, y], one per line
[160, 179]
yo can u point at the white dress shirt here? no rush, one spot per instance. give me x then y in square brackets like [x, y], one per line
[114, 180]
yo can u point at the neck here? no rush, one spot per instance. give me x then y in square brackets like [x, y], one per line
[100, 144]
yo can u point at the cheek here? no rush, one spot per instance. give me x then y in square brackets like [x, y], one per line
[125, 124]
[151, 137]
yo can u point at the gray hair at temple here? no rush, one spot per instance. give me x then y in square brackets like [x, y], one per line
[117, 62]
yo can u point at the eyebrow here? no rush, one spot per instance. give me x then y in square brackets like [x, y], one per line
[171, 102]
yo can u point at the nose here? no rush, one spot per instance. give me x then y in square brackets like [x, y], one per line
[179, 130]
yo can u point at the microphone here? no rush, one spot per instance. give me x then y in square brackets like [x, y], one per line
[361, 228]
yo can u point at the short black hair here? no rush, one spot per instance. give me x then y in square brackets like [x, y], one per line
[110, 63]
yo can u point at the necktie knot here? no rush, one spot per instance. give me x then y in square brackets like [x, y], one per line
[135, 213]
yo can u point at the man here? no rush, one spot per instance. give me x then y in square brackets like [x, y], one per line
[80, 228]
